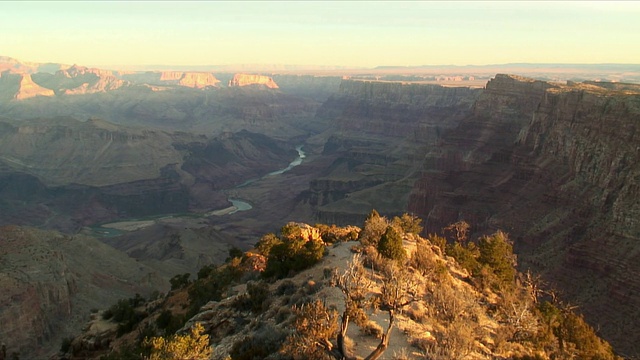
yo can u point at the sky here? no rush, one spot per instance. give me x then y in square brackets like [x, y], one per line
[325, 33]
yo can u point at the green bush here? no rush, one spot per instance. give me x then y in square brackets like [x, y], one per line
[390, 245]
[256, 298]
[496, 252]
[179, 281]
[293, 254]
[266, 243]
[410, 224]
[466, 256]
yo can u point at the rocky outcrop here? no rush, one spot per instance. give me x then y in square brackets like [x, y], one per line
[556, 166]
[189, 79]
[51, 281]
[247, 79]
[81, 80]
[162, 79]
[15, 86]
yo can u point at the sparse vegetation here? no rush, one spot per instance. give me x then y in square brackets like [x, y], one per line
[193, 346]
[390, 245]
[292, 252]
[473, 304]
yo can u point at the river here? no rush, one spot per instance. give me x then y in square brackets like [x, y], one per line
[120, 227]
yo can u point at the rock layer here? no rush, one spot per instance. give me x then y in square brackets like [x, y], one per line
[557, 166]
[247, 79]
[379, 132]
[20, 86]
[51, 281]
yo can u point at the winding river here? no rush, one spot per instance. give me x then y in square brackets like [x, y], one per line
[117, 228]
[243, 205]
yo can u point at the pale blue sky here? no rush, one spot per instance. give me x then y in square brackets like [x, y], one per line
[359, 33]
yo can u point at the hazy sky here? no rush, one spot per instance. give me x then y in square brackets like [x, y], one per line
[359, 33]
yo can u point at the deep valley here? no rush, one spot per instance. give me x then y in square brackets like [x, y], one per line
[555, 164]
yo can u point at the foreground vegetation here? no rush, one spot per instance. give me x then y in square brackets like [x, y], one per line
[449, 296]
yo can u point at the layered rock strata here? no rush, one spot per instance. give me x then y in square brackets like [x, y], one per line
[20, 86]
[379, 132]
[556, 166]
[248, 79]
[50, 282]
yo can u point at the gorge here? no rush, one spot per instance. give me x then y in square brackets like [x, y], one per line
[554, 164]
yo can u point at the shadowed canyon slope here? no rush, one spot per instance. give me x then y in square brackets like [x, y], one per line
[558, 167]
[51, 281]
[380, 132]
[66, 174]
[555, 165]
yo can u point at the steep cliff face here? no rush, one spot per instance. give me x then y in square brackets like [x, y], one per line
[50, 282]
[190, 79]
[379, 133]
[247, 79]
[318, 88]
[15, 86]
[382, 109]
[557, 166]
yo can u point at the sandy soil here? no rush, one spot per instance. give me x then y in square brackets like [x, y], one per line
[129, 225]
[222, 212]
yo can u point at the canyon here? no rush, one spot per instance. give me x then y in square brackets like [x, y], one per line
[554, 164]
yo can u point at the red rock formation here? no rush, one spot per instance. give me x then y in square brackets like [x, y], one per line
[196, 80]
[20, 86]
[246, 79]
[83, 80]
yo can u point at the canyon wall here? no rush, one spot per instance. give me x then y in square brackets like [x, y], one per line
[250, 79]
[50, 282]
[558, 167]
[19, 87]
[555, 165]
[94, 152]
[379, 131]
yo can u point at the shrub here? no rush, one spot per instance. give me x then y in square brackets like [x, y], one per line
[294, 253]
[465, 256]
[390, 245]
[258, 346]
[496, 252]
[179, 281]
[423, 259]
[164, 319]
[438, 241]
[266, 243]
[374, 227]
[255, 299]
[371, 328]
[234, 252]
[410, 224]
[194, 346]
